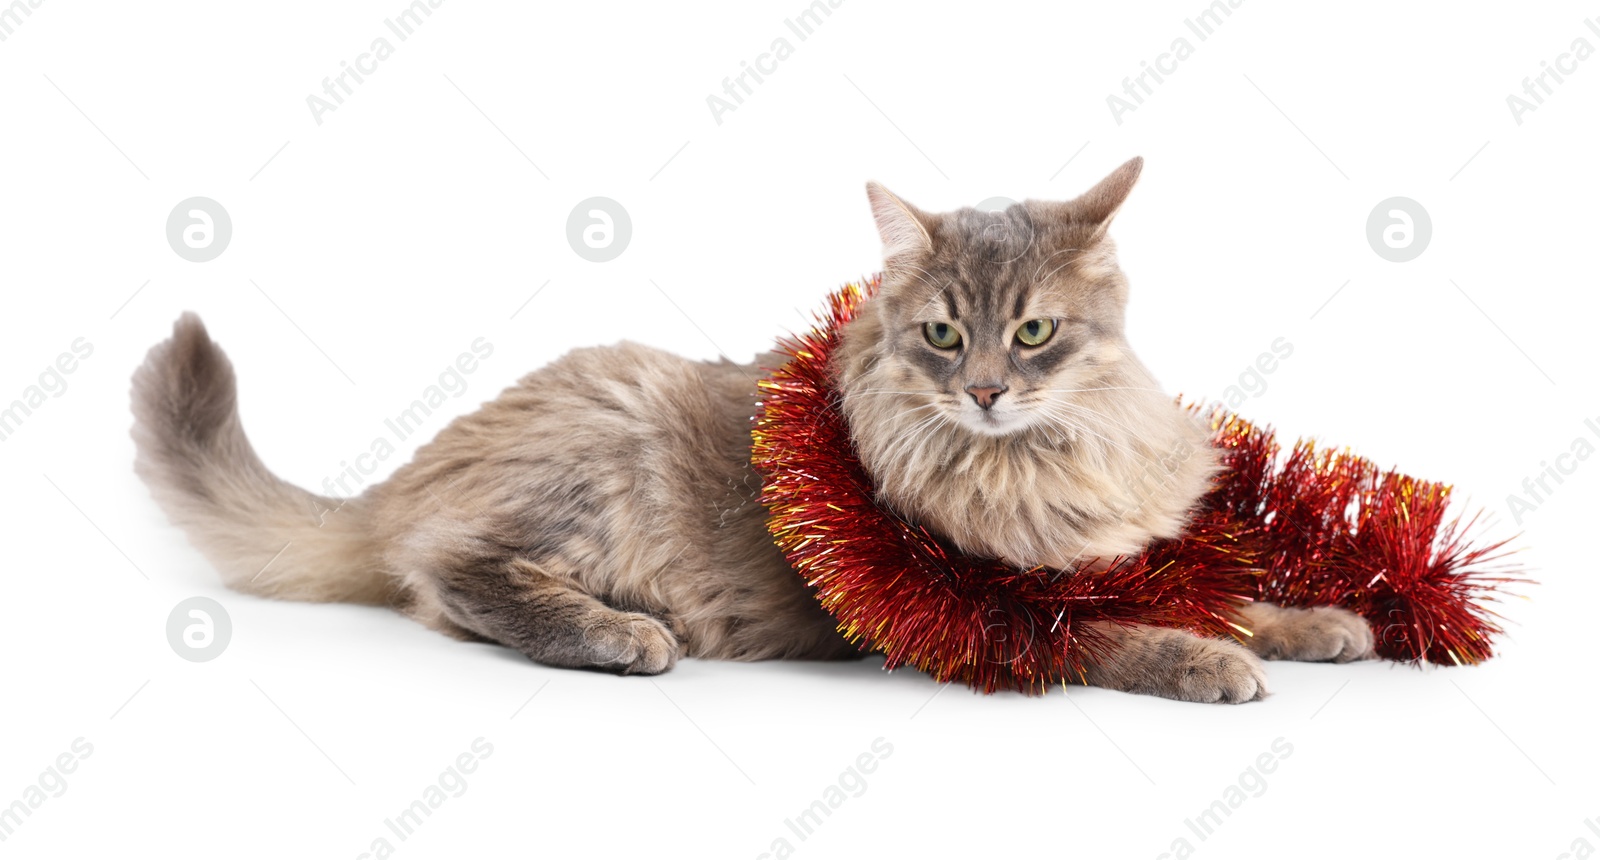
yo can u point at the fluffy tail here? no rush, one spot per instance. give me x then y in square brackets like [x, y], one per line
[266, 536]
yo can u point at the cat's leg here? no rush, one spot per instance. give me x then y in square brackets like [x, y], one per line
[1177, 665]
[1320, 634]
[513, 601]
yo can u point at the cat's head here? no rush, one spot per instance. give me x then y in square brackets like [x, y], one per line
[991, 394]
[994, 321]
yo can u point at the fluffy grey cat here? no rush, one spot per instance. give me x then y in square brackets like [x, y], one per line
[603, 511]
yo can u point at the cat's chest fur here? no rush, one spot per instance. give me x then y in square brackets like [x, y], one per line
[1048, 497]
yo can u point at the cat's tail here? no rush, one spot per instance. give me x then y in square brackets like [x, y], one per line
[264, 535]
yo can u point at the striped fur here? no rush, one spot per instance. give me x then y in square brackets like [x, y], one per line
[603, 512]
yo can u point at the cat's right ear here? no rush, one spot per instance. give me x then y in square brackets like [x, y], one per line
[904, 228]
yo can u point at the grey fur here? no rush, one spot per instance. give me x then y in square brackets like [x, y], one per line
[603, 512]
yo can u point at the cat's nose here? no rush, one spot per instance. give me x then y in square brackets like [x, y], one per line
[986, 395]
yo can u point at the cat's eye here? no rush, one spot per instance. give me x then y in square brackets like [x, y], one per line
[942, 335]
[1035, 332]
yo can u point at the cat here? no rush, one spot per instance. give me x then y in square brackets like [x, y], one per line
[603, 513]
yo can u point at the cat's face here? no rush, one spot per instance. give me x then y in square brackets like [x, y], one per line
[991, 394]
[994, 321]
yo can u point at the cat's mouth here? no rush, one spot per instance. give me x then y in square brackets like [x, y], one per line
[992, 422]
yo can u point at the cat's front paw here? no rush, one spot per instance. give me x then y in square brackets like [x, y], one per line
[1179, 665]
[1318, 635]
[633, 643]
[1215, 670]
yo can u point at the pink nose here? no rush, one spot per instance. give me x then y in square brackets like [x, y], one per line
[986, 395]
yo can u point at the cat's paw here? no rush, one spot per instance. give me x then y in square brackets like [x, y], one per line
[1318, 635]
[1179, 665]
[1215, 670]
[632, 643]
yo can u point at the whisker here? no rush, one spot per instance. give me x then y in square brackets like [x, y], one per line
[1107, 388]
[888, 391]
[1052, 409]
[912, 439]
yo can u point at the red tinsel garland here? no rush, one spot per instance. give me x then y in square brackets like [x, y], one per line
[1308, 528]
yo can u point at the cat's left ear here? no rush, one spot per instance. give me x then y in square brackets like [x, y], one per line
[1099, 204]
[904, 227]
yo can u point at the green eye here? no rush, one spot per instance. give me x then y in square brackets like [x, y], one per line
[942, 335]
[1035, 332]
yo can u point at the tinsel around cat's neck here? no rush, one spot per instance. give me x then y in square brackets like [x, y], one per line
[1307, 527]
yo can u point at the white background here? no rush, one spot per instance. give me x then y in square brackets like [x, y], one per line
[409, 222]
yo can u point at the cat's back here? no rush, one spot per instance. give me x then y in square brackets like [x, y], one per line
[637, 389]
[619, 408]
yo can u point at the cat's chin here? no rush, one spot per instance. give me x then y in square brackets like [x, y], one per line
[994, 424]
